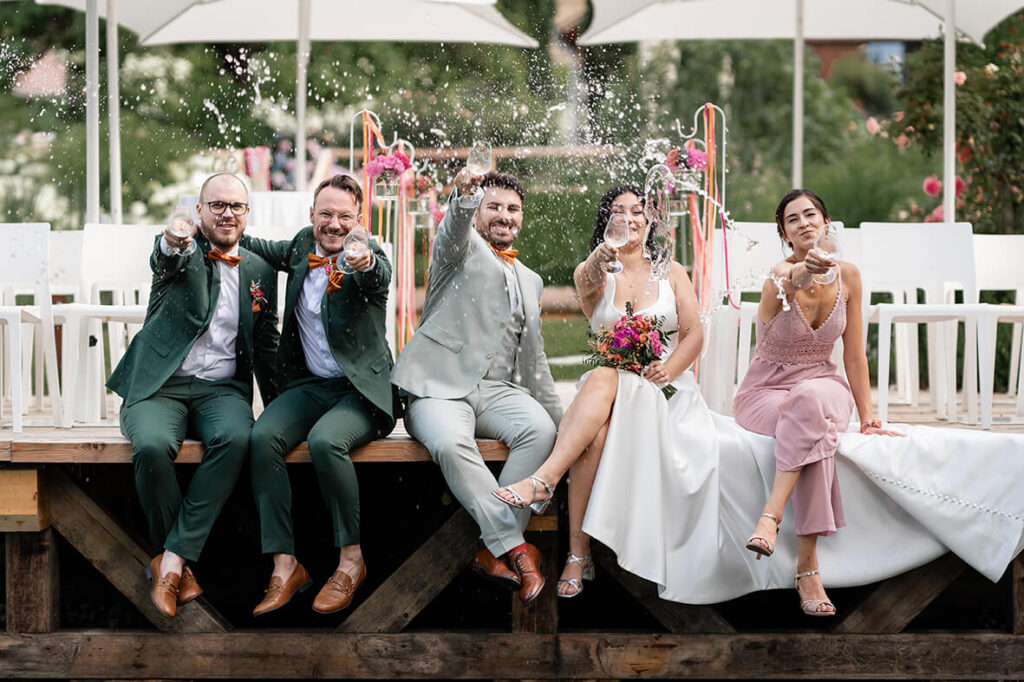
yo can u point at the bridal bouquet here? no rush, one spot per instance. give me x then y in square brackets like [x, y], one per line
[633, 343]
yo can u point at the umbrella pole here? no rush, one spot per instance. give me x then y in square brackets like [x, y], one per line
[92, 112]
[798, 97]
[949, 116]
[114, 110]
[302, 60]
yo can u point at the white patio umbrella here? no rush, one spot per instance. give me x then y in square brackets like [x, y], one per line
[632, 20]
[173, 21]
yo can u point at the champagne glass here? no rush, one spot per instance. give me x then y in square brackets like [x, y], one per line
[180, 223]
[357, 243]
[826, 246]
[479, 160]
[616, 233]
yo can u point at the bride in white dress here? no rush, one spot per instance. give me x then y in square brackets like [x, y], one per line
[671, 487]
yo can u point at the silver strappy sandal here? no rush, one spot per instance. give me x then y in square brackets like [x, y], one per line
[519, 503]
[584, 562]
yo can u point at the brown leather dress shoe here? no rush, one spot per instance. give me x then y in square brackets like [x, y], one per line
[188, 588]
[495, 569]
[165, 588]
[337, 592]
[527, 564]
[280, 592]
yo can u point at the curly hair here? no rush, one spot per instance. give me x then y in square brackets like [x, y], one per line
[504, 181]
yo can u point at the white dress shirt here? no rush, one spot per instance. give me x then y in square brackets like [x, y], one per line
[212, 357]
[315, 347]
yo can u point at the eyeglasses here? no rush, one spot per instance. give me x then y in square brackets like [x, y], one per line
[237, 207]
[344, 219]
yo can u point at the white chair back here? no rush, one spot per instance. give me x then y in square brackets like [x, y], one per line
[999, 262]
[908, 256]
[115, 258]
[25, 263]
[66, 262]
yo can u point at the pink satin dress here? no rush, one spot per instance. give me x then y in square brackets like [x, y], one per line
[794, 392]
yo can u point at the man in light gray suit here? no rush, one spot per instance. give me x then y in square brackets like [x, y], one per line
[476, 368]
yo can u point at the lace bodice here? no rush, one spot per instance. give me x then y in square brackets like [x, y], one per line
[789, 339]
[606, 315]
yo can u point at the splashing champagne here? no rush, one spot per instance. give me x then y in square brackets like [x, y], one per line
[479, 160]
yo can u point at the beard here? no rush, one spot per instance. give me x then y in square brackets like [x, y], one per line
[218, 239]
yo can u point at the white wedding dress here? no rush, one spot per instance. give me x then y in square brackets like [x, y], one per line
[679, 488]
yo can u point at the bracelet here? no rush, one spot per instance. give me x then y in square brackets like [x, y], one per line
[874, 422]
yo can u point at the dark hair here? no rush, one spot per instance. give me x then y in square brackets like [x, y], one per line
[604, 212]
[792, 195]
[504, 181]
[343, 182]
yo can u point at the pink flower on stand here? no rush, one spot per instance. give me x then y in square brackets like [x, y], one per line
[388, 165]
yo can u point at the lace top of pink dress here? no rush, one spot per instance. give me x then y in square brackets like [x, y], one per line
[789, 339]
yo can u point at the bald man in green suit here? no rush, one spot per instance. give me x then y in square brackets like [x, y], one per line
[211, 321]
[335, 364]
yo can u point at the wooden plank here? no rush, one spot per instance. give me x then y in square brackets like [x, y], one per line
[33, 582]
[419, 579]
[895, 602]
[117, 450]
[453, 655]
[675, 617]
[100, 539]
[540, 617]
[5, 450]
[23, 505]
[1018, 594]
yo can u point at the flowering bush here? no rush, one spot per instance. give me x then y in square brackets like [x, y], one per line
[388, 166]
[632, 344]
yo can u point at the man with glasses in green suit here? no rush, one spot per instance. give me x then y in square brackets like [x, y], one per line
[211, 322]
[335, 364]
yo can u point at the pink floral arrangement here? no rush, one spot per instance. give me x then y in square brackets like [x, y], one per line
[256, 294]
[689, 158]
[632, 344]
[389, 166]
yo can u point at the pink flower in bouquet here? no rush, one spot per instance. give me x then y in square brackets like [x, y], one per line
[932, 185]
[696, 160]
[656, 346]
[388, 165]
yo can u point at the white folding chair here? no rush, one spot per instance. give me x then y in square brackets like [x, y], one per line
[25, 260]
[114, 265]
[936, 258]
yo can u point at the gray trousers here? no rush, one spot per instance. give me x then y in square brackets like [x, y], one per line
[449, 428]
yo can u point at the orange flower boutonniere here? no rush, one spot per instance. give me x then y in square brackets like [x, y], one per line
[256, 294]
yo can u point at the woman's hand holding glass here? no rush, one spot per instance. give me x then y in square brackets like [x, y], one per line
[616, 234]
[826, 251]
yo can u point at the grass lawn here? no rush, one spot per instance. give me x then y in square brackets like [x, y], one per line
[565, 335]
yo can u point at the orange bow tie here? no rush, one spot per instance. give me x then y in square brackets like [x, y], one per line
[508, 255]
[330, 266]
[215, 254]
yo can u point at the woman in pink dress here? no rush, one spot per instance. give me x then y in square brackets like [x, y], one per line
[794, 392]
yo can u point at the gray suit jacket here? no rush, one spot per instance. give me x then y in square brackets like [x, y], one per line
[464, 318]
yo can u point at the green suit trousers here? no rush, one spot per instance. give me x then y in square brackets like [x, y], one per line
[334, 419]
[216, 413]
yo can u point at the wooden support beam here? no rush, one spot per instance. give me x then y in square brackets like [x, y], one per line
[33, 582]
[540, 617]
[23, 504]
[459, 655]
[100, 539]
[1018, 594]
[675, 617]
[895, 602]
[419, 579]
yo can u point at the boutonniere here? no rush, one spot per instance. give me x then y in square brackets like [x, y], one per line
[256, 294]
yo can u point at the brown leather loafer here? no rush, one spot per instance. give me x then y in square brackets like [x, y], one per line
[494, 569]
[188, 588]
[165, 588]
[337, 592]
[527, 563]
[280, 592]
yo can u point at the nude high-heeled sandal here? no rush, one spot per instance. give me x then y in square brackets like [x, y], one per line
[812, 607]
[760, 545]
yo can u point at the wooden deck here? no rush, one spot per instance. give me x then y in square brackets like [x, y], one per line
[419, 614]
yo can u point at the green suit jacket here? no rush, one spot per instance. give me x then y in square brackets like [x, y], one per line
[353, 318]
[181, 305]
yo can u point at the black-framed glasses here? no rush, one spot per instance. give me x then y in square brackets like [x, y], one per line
[237, 207]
